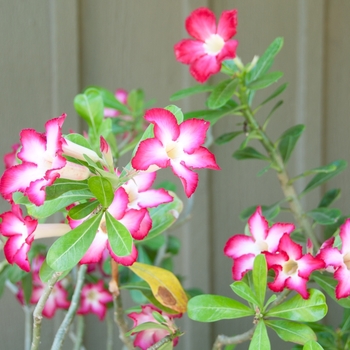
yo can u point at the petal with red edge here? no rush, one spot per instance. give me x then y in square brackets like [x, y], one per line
[276, 259]
[345, 236]
[307, 264]
[258, 225]
[293, 249]
[275, 233]
[54, 135]
[204, 67]
[331, 257]
[150, 152]
[188, 50]
[124, 260]
[166, 128]
[144, 181]
[343, 288]
[132, 220]
[145, 227]
[227, 24]
[239, 245]
[298, 284]
[188, 178]
[199, 159]
[242, 265]
[95, 251]
[33, 146]
[16, 252]
[192, 134]
[36, 190]
[153, 198]
[228, 51]
[280, 279]
[201, 23]
[120, 203]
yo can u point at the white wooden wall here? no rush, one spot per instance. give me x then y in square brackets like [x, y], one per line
[51, 50]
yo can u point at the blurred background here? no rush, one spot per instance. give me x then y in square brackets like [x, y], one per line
[51, 50]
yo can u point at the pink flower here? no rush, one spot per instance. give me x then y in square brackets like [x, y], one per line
[94, 299]
[20, 233]
[42, 163]
[145, 339]
[211, 45]
[339, 260]
[58, 298]
[10, 159]
[122, 96]
[292, 268]
[243, 249]
[177, 146]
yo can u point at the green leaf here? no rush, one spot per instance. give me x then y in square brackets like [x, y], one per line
[78, 139]
[321, 178]
[53, 206]
[264, 81]
[275, 107]
[190, 91]
[265, 61]
[110, 101]
[329, 197]
[245, 292]
[166, 185]
[328, 284]
[158, 317]
[312, 345]
[146, 325]
[213, 116]
[249, 153]
[288, 141]
[229, 67]
[292, 331]
[90, 107]
[61, 186]
[260, 278]
[177, 113]
[68, 250]
[211, 308]
[27, 287]
[303, 310]
[102, 189]
[82, 210]
[119, 236]
[277, 92]
[136, 100]
[324, 216]
[222, 93]
[14, 273]
[227, 137]
[46, 272]
[260, 339]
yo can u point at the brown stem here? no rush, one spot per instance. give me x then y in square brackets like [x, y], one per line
[222, 340]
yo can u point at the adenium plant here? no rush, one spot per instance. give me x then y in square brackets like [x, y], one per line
[113, 235]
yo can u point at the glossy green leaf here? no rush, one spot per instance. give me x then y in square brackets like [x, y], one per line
[222, 93]
[312, 345]
[136, 101]
[82, 210]
[292, 331]
[321, 178]
[264, 81]
[260, 339]
[277, 92]
[27, 287]
[249, 153]
[288, 141]
[303, 310]
[110, 101]
[68, 250]
[119, 236]
[78, 139]
[328, 284]
[177, 113]
[164, 216]
[211, 308]
[260, 278]
[90, 107]
[53, 206]
[190, 91]
[46, 272]
[215, 115]
[146, 325]
[245, 292]
[265, 61]
[329, 197]
[224, 138]
[102, 189]
[61, 186]
[324, 216]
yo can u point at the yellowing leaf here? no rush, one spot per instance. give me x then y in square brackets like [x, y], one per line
[165, 287]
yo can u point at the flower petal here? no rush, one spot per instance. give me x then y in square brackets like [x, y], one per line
[95, 251]
[258, 225]
[124, 260]
[228, 51]
[242, 265]
[307, 264]
[204, 67]
[33, 146]
[275, 233]
[293, 250]
[345, 236]
[298, 284]
[199, 159]
[343, 288]
[188, 50]
[227, 24]
[201, 23]
[239, 245]
[153, 198]
[188, 178]
[192, 134]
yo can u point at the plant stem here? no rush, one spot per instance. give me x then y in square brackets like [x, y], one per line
[63, 329]
[79, 333]
[222, 340]
[109, 345]
[287, 188]
[37, 315]
[167, 339]
[27, 326]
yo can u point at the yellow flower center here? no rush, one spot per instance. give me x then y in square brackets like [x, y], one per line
[290, 267]
[173, 150]
[214, 44]
[346, 260]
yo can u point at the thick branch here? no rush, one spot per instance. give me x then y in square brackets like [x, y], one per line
[223, 340]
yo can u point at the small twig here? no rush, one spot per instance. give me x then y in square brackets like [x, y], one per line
[167, 339]
[12, 287]
[161, 253]
[27, 326]
[78, 341]
[109, 344]
[37, 315]
[222, 340]
[63, 329]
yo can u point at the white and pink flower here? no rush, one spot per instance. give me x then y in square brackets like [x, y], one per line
[147, 338]
[20, 233]
[10, 159]
[94, 299]
[122, 96]
[211, 44]
[292, 268]
[177, 146]
[339, 260]
[243, 249]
